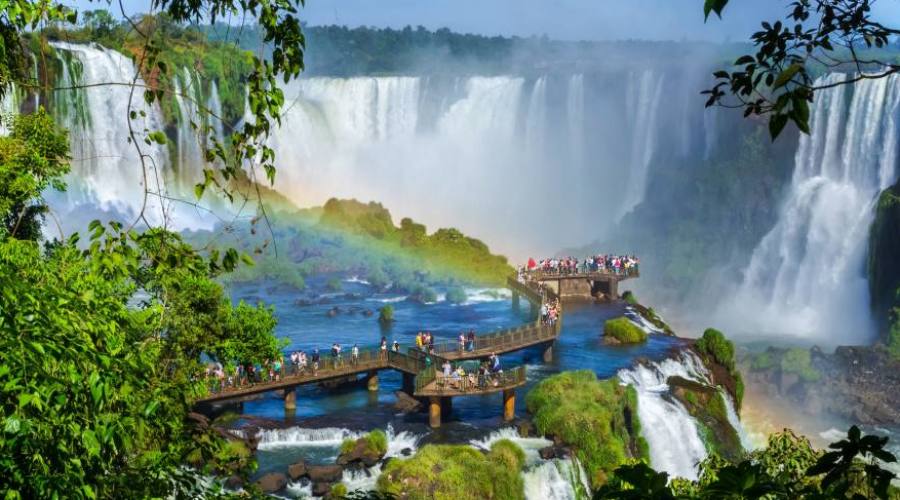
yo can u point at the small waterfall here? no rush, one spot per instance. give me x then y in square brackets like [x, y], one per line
[214, 104]
[806, 277]
[642, 99]
[671, 432]
[299, 436]
[188, 93]
[556, 479]
[9, 108]
[559, 479]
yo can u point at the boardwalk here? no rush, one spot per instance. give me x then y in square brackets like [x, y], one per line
[411, 363]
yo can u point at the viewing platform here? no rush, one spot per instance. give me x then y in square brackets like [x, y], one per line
[601, 284]
[420, 378]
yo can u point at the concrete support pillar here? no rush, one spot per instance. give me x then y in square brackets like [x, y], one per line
[434, 412]
[290, 400]
[409, 383]
[509, 405]
[373, 381]
[614, 288]
[548, 353]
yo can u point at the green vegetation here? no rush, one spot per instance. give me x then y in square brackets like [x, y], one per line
[386, 314]
[714, 344]
[798, 361]
[707, 405]
[715, 347]
[377, 441]
[623, 331]
[457, 472]
[338, 490]
[456, 295]
[884, 268]
[893, 343]
[629, 298]
[789, 467]
[102, 340]
[353, 238]
[598, 418]
[762, 361]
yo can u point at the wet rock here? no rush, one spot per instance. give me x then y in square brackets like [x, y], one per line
[297, 470]
[321, 489]
[272, 482]
[324, 473]
[334, 311]
[234, 482]
[526, 428]
[547, 453]
[361, 453]
[406, 452]
[406, 403]
[368, 313]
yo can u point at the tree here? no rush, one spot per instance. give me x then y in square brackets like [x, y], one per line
[817, 35]
[101, 343]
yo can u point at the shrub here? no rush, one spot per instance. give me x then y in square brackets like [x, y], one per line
[798, 361]
[762, 361]
[456, 295]
[623, 330]
[347, 445]
[386, 314]
[338, 490]
[377, 440]
[334, 285]
[714, 343]
[456, 472]
[598, 418]
[893, 343]
[629, 298]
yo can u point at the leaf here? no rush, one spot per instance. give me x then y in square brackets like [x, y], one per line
[12, 425]
[785, 76]
[713, 6]
[158, 137]
[89, 440]
[199, 189]
[776, 124]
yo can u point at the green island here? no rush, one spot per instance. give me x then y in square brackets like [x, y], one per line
[623, 331]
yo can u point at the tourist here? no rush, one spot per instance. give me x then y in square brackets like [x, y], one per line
[384, 347]
[301, 362]
[462, 341]
[315, 361]
[471, 340]
[354, 355]
[420, 342]
[276, 367]
[446, 368]
[396, 346]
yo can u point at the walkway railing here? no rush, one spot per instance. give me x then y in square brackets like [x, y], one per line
[434, 383]
[632, 272]
[413, 361]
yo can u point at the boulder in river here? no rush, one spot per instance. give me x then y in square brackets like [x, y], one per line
[362, 452]
[321, 489]
[406, 403]
[272, 482]
[297, 470]
[324, 473]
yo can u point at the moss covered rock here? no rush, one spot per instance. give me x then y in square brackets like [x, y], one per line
[457, 472]
[707, 406]
[647, 313]
[718, 355]
[883, 263]
[622, 331]
[597, 418]
[368, 450]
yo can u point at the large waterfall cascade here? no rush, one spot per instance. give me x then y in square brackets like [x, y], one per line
[807, 275]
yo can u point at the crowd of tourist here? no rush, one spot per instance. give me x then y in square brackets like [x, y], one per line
[550, 312]
[603, 263]
[487, 374]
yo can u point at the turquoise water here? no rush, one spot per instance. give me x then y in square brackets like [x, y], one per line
[309, 326]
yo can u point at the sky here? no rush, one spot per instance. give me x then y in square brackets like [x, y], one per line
[558, 19]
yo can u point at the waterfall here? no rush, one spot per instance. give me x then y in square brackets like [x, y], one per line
[806, 277]
[671, 432]
[556, 479]
[106, 168]
[188, 94]
[642, 99]
[9, 108]
[576, 123]
[299, 436]
[536, 122]
[559, 479]
[214, 104]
